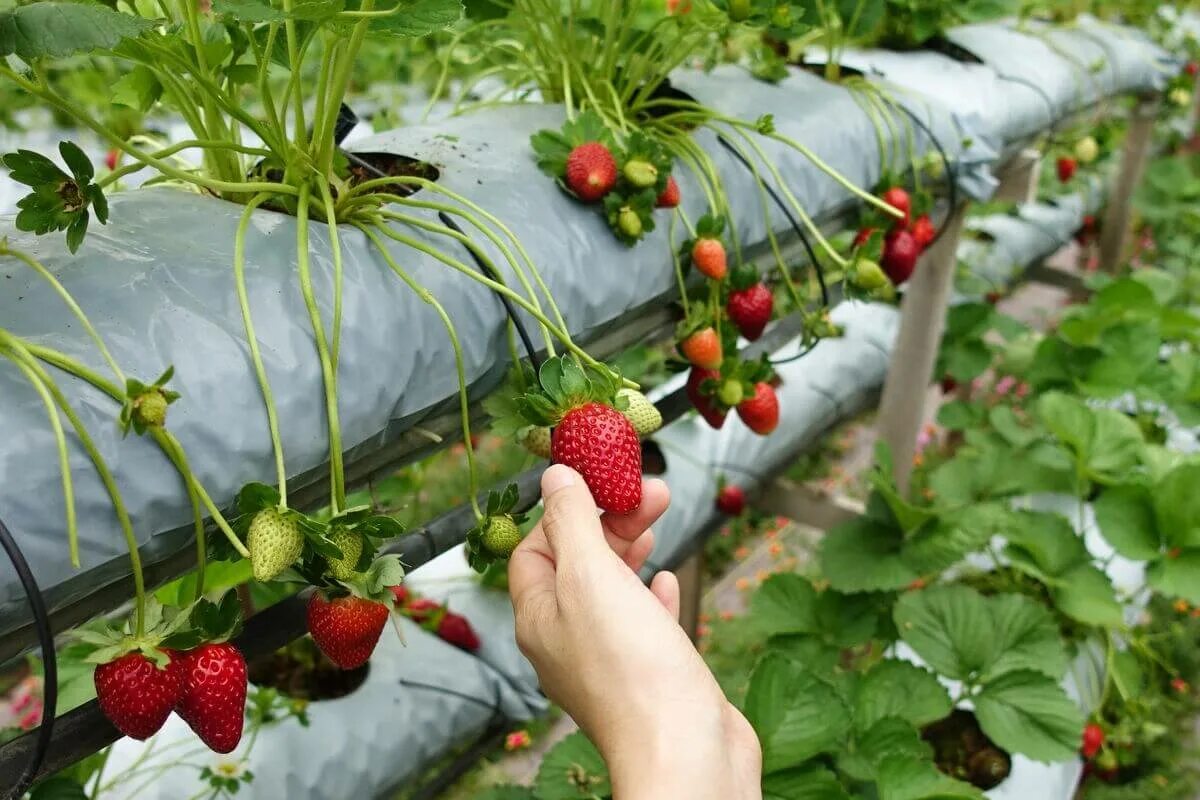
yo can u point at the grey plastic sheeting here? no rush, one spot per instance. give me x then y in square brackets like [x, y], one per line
[1037, 231]
[157, 281]
[418, 702]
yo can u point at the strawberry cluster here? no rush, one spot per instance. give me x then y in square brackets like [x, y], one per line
[451, 628]
[628, 178]
[887, 251]
[185, 665]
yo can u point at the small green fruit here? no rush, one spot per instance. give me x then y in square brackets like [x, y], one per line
[501, 536]
[537, 441]
[629, 222]
[150, 408]
[731, 392]
[643, 415]
[275, 542]
[641, 174]
[351, 545]
[868, 275]
[1180, 97]
[1087, 150]
[739, 9]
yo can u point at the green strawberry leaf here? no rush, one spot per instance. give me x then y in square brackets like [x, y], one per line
[864, 555]
[887, 738]
[904, 777]
[255, 497]
[901, 690]
[794, 713]
[571, 770]
[56, 30]
[1127, 520]
[1029, 713]
[803, 783]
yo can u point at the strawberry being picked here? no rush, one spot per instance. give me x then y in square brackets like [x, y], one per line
[589, 434]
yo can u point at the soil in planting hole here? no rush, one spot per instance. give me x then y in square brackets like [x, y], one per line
[940, 44]
[962, 750]
[371, 166]
[301, 671]
[818, 69]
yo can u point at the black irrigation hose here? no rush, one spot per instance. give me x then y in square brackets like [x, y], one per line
[49, 661]
[493, 706]
[780, 362]
[530, 350]
[947, 168]
[812, 255]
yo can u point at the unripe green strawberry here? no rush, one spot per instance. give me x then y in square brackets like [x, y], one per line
[629, 222]
[351, 545]
[731, 392]
[643, 415]
[868, 275]
[275, 542]
[501, 536]
[537, 441]
[641, 174]
[150, 408]
[1087, 150]
[739, 9]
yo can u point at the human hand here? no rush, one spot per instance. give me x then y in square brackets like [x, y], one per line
[611, 652]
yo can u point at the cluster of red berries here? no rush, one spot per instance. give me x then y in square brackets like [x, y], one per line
[904, 243]
[451, 628]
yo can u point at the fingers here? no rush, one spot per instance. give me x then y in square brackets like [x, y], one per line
[569, 521]
[637, 551]
[655, 499]
[530, 570]
[665, 587]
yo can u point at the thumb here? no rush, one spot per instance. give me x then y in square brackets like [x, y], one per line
[571, 521]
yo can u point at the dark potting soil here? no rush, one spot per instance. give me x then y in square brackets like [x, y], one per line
[301, 671]
[371, 166]
[963, 751]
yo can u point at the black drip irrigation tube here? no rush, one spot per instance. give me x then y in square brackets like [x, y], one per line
[41, 618]
[948, 170]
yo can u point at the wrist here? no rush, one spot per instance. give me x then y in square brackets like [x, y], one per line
[657, 760]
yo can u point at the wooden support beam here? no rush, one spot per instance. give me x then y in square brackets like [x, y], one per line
[1114, 232]
[1019, 178]
[691, 589]
[802, 503]
[922, 322]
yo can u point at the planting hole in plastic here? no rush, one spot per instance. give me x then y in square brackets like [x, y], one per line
[962, 750]
[302, 672]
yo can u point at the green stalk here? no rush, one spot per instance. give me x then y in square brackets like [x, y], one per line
[167, 152]
[335, 244]
[467, 242]
[463, 398]
[336, 468]
[17, 347]
[678, 267]
[64, 458]
[239, 273]
[165, 440]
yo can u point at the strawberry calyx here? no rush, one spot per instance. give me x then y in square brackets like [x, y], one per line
[630, 212]
[498, 511]
[564, 385]
[145, 405]
[376, 583]
[162, 624]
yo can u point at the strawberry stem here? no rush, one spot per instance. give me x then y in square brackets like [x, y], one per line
[17, 347]
[64, 459]
[239, 273]
[337, 481]
[683, 297]
[464, 401]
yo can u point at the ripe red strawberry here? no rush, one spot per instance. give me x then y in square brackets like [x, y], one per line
[401, 594]
[591, 171]
[456, 630]
[949, 384]
[709, 410]
[1093, 740]
[898, 199]
[679, 6]
[703, 348]
[1087, 231]
[670, 195]
[421, 609]
[709, 257]
[900, 253]
[601, 445]
[923, 231]
[731, 501]
[112, 158]
[214, 695]
[863, 236]
[1066, 168]
[346, 629]
[992, 298]
[760, 412]
[1191, 68]
[137, 695]
[750, 309]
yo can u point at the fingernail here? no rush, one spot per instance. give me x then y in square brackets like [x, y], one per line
[558, 476]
